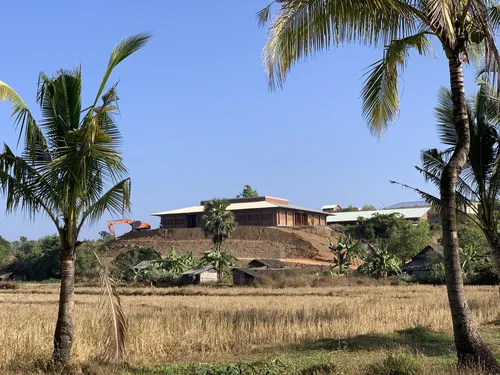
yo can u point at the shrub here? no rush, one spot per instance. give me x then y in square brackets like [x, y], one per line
[86, 263]
[397, 363]
[483, 274]
[125, 261]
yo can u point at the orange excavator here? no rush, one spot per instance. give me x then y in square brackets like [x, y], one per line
[136, 225]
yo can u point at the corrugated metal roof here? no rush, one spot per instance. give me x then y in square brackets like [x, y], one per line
[238, 206]
[409, 213]
[411, 204]
[198, 270]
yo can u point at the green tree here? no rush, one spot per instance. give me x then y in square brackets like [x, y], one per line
[349, 208]
[343, 252]
[478, 186]
[248, 192]
[5, 250]
[368, 207]
[407, 239]
[380, 263]
[69, 159]
[221, 261]
[217, 221]
[304, 28]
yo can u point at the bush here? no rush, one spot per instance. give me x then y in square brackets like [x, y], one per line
[86, 263]
[40, 263]
[483, 274]
[125, 261]
[397, 363]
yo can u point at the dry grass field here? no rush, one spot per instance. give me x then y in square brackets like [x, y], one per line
[209, 325]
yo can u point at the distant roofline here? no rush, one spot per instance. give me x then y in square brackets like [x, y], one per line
[408, 213]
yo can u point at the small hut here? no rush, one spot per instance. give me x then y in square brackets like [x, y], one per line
[200, 275]
[245, 276]
[421, 264]
[267, 263]
[143, 265]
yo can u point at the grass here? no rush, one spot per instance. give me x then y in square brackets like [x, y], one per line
[353, 329]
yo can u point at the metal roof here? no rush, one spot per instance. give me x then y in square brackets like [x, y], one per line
[409, 213]
[411, 204]
[238, 206]
[198, 270]
[330, 206]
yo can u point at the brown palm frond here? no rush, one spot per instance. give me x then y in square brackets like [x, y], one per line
[112, 318]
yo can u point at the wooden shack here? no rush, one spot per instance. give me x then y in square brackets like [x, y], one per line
[245, 276]
[267, 263]
[421, 264]
[200, 275]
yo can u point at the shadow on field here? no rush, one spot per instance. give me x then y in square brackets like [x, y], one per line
[420, 339]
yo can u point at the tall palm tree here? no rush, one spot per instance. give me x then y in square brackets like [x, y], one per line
[478, 188]
[464, 28]
[217, 221]
[70, 170]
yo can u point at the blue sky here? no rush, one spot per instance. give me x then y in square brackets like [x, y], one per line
[197, 118]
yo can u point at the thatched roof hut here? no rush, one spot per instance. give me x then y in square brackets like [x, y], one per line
[421, 264]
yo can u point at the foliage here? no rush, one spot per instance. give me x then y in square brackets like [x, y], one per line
[105, 236]
[469, 257]
[343, 252]
[167, 269]
[217, 221]
[221, 261]
[402, 238]
[41, 262]
[380, 263]
[368, 207]
[248, 192]
[124, 262]
[349, 208]
[6, 251]
[86, 264]
[398, 363]
[483, 273]
[470, 234]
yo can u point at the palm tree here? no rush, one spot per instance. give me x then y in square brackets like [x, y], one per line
[70, 158]
[217, 221]
[305, 27]
[479, 181]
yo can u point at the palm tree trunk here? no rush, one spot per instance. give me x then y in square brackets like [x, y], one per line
[494, 248]
[472, 351]
[64, 333]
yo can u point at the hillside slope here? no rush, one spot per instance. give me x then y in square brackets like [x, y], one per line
[246, 242]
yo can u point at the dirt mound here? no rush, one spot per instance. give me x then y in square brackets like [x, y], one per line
[247, 242]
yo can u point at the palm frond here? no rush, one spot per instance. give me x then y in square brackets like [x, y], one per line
[23, 118]
[112, 320]
[303, 28]
[380, 92]
[124, 49]
[441, 15]
[444, 116]
[115, 201]
[263, 15]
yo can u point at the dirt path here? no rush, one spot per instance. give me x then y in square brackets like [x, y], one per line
[296, 261]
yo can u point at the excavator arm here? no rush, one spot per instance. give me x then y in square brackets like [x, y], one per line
[111, 225]
[135, 225]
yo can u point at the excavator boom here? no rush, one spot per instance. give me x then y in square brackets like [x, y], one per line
[135, 225]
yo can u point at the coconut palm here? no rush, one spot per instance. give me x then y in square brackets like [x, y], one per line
[463, 28]
[217, 221]
[478, 187]
[70, 170]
